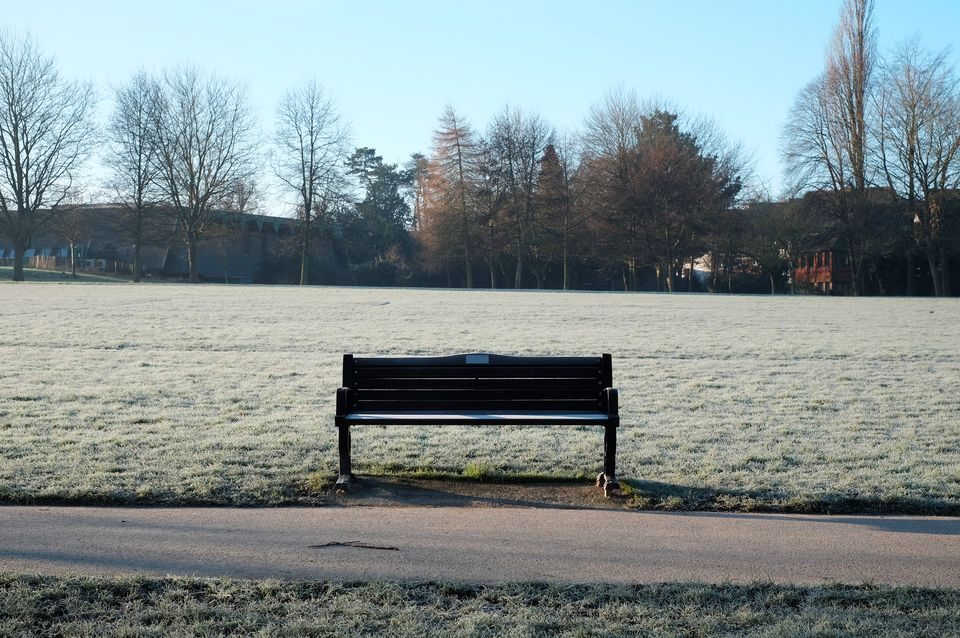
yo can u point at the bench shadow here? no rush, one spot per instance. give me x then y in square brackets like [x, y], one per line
[938, 526]
[660, 495]
[643, 495]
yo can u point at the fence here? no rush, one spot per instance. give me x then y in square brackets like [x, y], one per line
[62, 264]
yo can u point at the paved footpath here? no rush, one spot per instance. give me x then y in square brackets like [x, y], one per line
[481, 544]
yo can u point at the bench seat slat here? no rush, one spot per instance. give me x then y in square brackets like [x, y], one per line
[473, 383]
[491, 359]
[478, 417]
[465, 406]
[446, 394]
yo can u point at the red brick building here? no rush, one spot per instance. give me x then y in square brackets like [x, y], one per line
[826, 271]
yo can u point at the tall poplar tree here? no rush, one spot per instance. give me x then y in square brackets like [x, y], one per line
[826, 137]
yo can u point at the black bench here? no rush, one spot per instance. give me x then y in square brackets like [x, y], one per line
[479, 389]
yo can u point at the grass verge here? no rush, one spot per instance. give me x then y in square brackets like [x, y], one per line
[653, 495]
[135, 606]
[34, 275]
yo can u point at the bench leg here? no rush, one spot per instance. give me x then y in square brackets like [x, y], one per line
[346, 471]
[608, 480]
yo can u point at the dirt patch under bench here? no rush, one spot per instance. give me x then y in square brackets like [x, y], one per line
[449, 493]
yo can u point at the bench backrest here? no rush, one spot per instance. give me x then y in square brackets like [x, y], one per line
[484, 382]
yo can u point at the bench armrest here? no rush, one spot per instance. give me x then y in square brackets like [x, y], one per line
[343, 401]
[611, 400]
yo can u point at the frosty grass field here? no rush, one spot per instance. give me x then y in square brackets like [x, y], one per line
[221, 394]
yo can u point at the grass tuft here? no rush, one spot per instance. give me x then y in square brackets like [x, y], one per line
[477, 471]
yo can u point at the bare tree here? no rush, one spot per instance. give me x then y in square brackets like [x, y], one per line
[490, 192]
[243, 196]
[812, 151]
[204, 137]
[520, 140]
[46, 132]
[613, 124]
[73, 224]
[610, 181]
[311, 143]
[918, 135]
[132, 158]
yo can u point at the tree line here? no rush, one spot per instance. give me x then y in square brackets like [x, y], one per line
[879, 136]
[639, 192]
[642, 197]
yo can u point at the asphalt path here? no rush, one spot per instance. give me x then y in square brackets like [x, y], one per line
[484, 545]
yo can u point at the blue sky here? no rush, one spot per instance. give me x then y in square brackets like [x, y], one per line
[392, 66]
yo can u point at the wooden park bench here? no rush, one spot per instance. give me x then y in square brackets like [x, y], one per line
[479, 389]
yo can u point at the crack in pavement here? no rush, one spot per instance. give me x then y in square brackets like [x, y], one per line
[358, 544]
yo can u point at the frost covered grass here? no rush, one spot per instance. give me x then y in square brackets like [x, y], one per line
[79, 606]
[223, 394]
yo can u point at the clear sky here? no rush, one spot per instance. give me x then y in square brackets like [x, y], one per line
[392, 66]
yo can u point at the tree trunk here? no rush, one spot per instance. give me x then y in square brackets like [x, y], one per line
[935, 273]
[466, 264]
[566, 266]
[518, 275]
[490, 256]
[714, 269]
[137, 241]
[192, 257]
[19, 247]
[137, 267]
[855, 268]
[73, 259]
[773, 288]
[909, 273]
[305, 255]
[466, 244]
[944, 271]
[632, 274]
